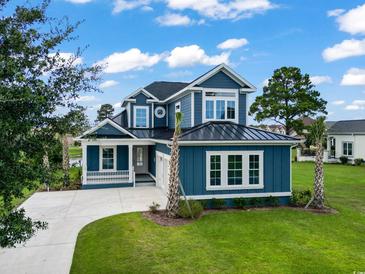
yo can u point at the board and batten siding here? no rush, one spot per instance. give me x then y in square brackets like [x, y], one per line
[152, 160]
[242, 109]
[93, 157]
[160, 122]
[198, 108]
[185, 109]
[193, 169]
[220, 80]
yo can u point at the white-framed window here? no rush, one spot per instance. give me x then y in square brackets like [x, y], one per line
[234, 170]
[347, 149]
[141, 117]
[178, 107]
[107, 158]
[139, 156]
[220, 106]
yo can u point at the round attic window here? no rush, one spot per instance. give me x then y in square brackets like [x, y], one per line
[160, 112]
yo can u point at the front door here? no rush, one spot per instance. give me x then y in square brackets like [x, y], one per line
[162, 170]
[140, 161]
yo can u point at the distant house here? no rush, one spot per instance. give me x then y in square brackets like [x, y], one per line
[346, 138]
[220, 156]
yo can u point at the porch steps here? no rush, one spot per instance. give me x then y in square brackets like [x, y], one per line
[145, 184]
[144, 180]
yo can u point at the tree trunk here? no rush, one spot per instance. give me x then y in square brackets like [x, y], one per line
[65, 161]
[173, 193]
[318, 198]
[46, 166]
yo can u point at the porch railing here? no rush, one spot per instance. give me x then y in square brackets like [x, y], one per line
[107, 177]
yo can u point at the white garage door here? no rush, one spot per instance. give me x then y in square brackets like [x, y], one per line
[162, 168]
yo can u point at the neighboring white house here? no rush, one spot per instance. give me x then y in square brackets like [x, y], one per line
[346, 138]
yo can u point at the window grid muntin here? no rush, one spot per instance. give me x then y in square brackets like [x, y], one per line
[254, 169]
[215, 170]
[141, 117]
[107, 158]
[234, 170]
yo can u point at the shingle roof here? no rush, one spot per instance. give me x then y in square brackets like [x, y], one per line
[214, 131]
[348, 126]
[162, 89]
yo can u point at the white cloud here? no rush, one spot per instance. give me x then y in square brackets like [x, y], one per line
[233, 43]
[174, 19]
[356, 105]
[354, 77]
[217, 9]
[192, 55]
[86, 98]
[122, 5]
[338, 102]
[320, 79]
[335, 12]
[345, 49]
[147, 8]
[179, 74]
[108, 84]
[68, 56]
[79, 1]
[353, 21]
[132, 59]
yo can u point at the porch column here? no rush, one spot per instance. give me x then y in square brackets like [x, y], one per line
[130, 162]
[84, 163]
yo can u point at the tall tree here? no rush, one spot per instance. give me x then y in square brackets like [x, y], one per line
[173, 196]
[287, 98]
[317, 134]
[105, 111]
[35, 80]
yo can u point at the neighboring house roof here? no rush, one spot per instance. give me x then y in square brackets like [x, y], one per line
[214, 131]
[164, 89]
[348, 126]
[329, 124]
[307, 121]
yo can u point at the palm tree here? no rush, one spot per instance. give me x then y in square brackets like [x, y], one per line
[316, 135]
[173, 192]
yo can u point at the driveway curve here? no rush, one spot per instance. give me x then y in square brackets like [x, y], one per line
[67, 212]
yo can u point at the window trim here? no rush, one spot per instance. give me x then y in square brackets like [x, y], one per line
[352, 149]
[225, 99]
[245, 170]
[147, 108]
[101, 158]
[177, 104]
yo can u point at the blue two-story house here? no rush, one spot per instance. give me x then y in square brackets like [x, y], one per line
[220, 156]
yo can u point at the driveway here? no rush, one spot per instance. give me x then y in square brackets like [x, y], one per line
[67, 212]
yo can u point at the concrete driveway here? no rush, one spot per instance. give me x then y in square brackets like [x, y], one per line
[67, 212]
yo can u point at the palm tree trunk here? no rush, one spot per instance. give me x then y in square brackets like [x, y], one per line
[173, 193]
[65, 161]
[318, 198]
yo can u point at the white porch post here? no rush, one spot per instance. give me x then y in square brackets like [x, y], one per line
[84, 163]
[130, 162]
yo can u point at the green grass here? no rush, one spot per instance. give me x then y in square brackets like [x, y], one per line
[276, 241]
[75, 152]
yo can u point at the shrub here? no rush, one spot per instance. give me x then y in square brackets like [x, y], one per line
[218, 203]
[154, 207]
[344, 160]
[204, 203]
[196, 209]
[358, 161]
[272, 201]
[256, 202]
[300, 198]
[239, 202]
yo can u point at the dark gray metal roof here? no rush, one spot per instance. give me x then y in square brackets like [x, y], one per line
[348, 126]
[213, 131]
[163, 90]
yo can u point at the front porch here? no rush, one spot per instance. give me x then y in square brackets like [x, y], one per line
[117, 164]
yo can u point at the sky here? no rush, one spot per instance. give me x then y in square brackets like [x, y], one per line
[142, 41]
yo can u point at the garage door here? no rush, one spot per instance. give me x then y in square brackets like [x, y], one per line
[162, 169]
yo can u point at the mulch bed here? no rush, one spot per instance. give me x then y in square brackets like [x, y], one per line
[161, 218]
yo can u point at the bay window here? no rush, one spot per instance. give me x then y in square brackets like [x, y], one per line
[234, 170]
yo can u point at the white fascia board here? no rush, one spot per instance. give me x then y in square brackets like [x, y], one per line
[143, 91]
[239, 195]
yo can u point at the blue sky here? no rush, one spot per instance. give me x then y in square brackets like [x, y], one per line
[177, 40]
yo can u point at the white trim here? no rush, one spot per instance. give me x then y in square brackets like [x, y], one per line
[129, 114]
[245, 169]
[192, 109]
[228, 71]
[225, 99]
[102, 123]
[163, 112]
[136, 92]
[84, 163]
[239, 195]
[153, 116]
[130, 100]
[130, 162]
[147, 108]
[167, 115]
[153, 177]
[101, 158]
[178, 104]
[140, 142]
[352, 149]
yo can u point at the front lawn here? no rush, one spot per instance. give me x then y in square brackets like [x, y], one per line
[75, 152]
[276, 241]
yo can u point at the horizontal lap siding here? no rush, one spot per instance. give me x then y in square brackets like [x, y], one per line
[185, 109]
[141, 100]
[276, 169]
[220, 80]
